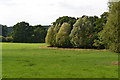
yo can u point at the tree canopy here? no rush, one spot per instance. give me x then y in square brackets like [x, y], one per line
[111, 32]
[23, 32]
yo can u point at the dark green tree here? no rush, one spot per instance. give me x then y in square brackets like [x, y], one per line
[99, 25]
[61, 20]
[39, 34]
[3, 30]
[101, 22]
[22, 32]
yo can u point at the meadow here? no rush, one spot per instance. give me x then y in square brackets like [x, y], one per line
[25, 60]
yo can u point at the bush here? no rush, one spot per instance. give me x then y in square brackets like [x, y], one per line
[2, 39]
[6, 39]
[9, 39]
[98, 44]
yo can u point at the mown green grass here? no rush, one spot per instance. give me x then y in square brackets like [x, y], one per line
[23, 60]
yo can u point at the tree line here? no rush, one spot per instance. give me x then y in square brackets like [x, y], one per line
[22, 32]
[81, 32]
[87, 31]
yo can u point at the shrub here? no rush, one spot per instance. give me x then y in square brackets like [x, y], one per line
[2, 39]
[9, 39]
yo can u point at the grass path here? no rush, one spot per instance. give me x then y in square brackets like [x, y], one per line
[73, 49]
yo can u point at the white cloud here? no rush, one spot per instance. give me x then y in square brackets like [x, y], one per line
[47, 11]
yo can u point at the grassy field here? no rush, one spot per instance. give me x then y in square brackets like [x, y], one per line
[22, 60]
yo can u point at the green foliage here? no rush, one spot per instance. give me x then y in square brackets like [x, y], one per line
[2, 39]
[75, 33]
[22, 32]
[98, 44]
[9, 39]
[82, 34]
[62, 38]
[101, 22]
[50, 36]
[6, 39]
[55, 31]
[9, 31]
[99, 25]
[39, 34]
[52, 33]
[61, 20]
[111, 32]
[4, 30]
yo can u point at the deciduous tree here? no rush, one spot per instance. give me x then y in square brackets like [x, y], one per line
[111, 32]
[62, 38]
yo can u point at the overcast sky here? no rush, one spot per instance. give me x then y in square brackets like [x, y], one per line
[45, 12]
